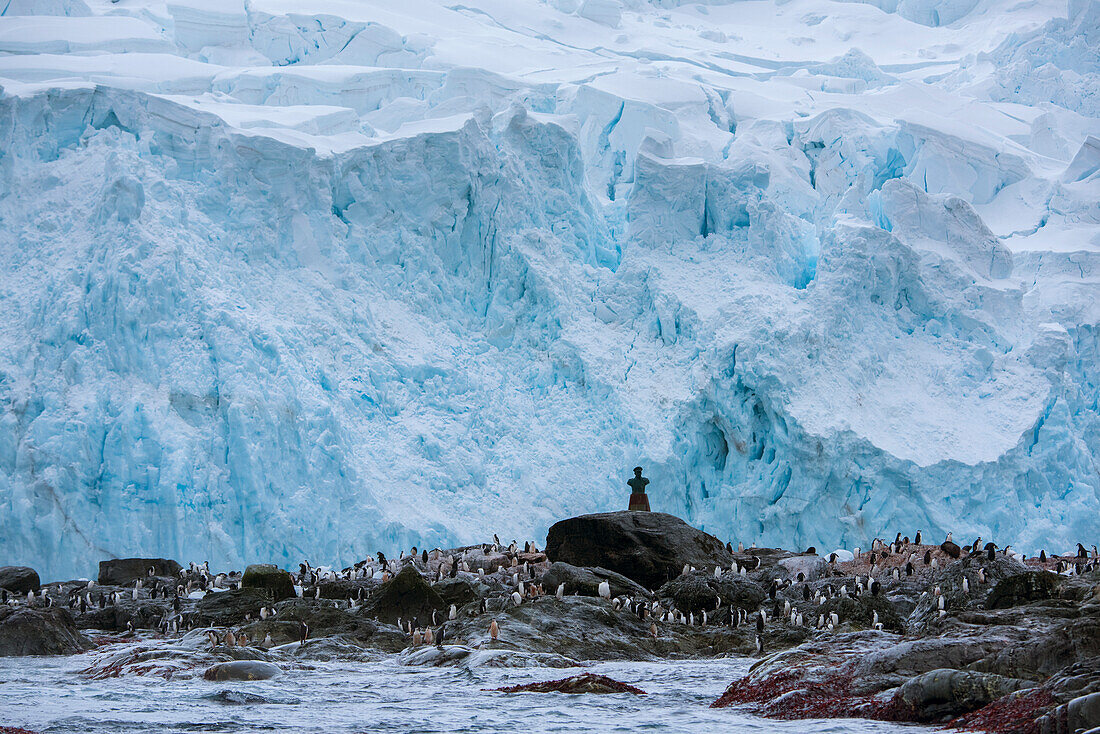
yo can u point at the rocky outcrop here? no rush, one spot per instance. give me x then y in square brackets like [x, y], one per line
[269, 578]
[407, 596]
[586, 581]
[650, 548]
[583, 683]
[699, 590]
[1023, 588]
[225, 608]
[31, 631]
[19, 579]
[124, 571]
[1078, 715]
[940, 695]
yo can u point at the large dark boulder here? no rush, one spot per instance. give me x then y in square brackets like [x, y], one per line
[19, 579]
[648, 547]
[1022, 589]
[31, 631]
[270, 578]
[407, 595]
[124, 571]
[586, 581]
[941, 695]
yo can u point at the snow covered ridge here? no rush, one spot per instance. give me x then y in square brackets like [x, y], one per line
[288, 280]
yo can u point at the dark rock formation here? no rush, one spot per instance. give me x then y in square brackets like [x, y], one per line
[699, 590]
[242, 670]
[1078, 715]
[406, 595]
[649, 547]
[269, 578]
[457, 591]
[1023, 588]
[583, 683]
[586, 581]
[27, 631]
[226, 608]
[940, 695]
[19, 579]
[124, 571]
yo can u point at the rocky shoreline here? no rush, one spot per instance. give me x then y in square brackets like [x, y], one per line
[976, 637]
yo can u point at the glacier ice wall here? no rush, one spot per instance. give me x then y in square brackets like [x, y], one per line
[308, 280]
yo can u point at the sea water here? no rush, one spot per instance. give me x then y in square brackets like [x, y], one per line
[51, 696]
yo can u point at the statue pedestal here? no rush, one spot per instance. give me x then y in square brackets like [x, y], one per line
[639, 502]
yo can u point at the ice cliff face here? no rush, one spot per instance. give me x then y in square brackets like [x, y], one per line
[286, 280]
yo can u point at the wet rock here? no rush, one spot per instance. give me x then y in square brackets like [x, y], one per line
[1078, 715]
[468, 657]
[700, 590]
[19, 579]
[124, 571]
[940, 695]
[586, 581]
[650, 548]
[406, 595]
[242, 670]
[269, 578]
[584, 683]
[1023, 588]
[30, 631]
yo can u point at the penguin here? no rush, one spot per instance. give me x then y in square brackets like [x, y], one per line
[560, 593]
[653, 630]
[966, 585]
[927, 557]
[990, 552]
[605, 590]
[427, 636]
[1081, 551]
[876, 588]
[303, 632]
[759, 645]
[909, 568]
[517, 598]
[1043, 556]
[760, 622]
[454, 569]
[417, 638]
[494, 629]
[805, 593]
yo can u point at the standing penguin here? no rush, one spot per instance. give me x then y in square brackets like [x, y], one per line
[494, 630]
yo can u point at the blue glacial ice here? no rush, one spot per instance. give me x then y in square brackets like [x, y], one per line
[307, 280]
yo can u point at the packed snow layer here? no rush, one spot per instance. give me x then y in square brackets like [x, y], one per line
[289, 280]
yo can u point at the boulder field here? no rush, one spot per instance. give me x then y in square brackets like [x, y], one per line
[971, 636]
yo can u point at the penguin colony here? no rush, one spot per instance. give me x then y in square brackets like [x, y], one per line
[519, 573]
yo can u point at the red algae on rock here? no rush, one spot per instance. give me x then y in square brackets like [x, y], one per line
[788, 695]
[15, 730]
[1013, 714]
[584, 683]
